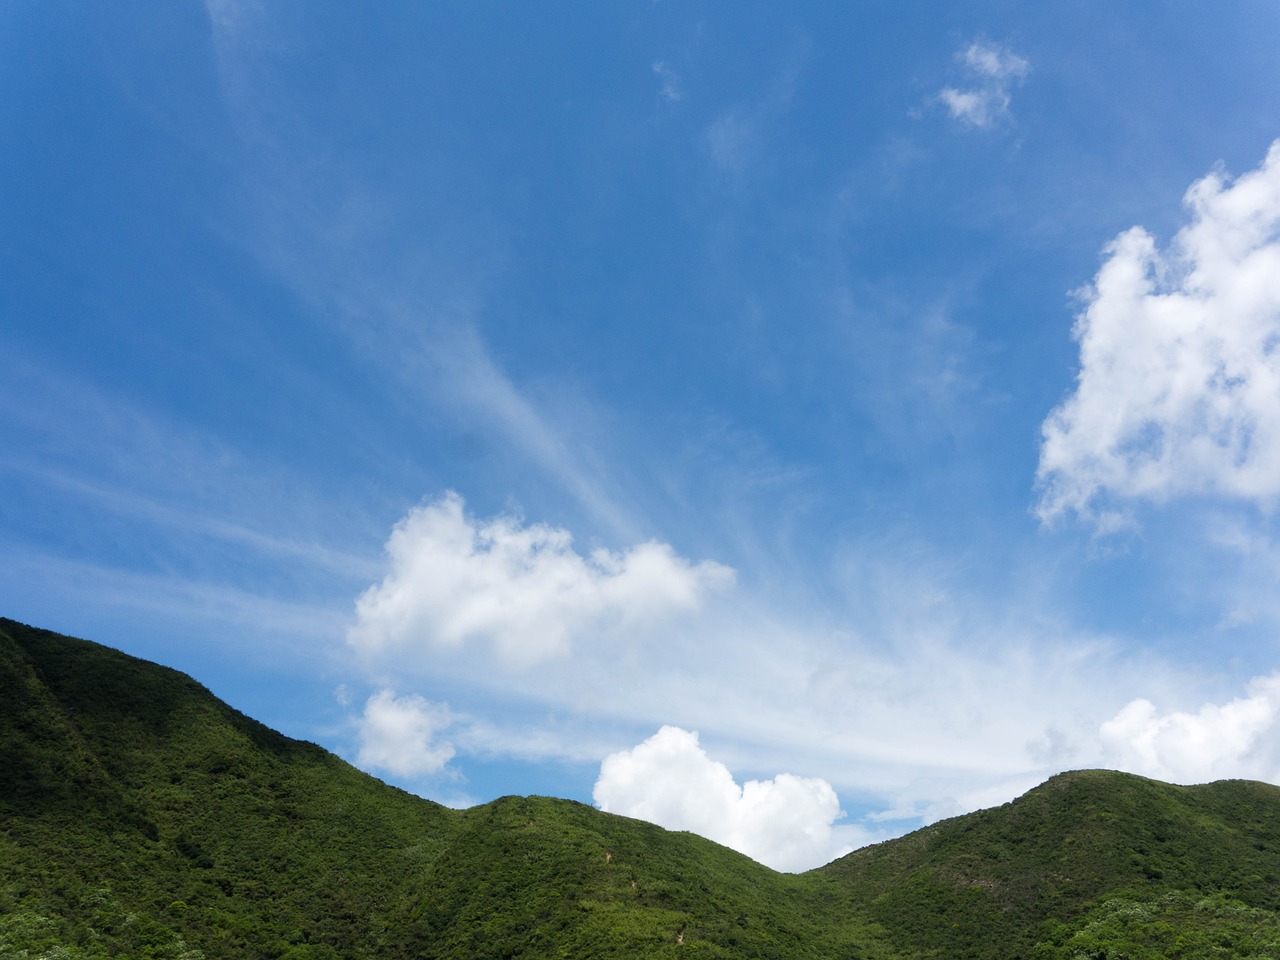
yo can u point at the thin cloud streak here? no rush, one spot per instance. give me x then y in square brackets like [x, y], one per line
[201, 498]
[737, 140]
[192, 522]
[306, 627]
[468, 372]
[323, 249]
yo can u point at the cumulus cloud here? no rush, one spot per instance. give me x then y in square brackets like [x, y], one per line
[401, 735]
[454, 580]
[1179, 384]
[994, 69]
[669, 780]
[1236, 739]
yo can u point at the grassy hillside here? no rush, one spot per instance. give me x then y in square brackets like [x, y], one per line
[142, 817]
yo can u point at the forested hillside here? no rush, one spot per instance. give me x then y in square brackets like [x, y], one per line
[142, 817]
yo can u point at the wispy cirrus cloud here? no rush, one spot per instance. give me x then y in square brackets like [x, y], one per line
[737, 140]
[201, 605]
[222, 524]
[407, 299]
[994, 70]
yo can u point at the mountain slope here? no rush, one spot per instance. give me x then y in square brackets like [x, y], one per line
[145, 816]
[132, 783]
[1013, 875]
[142, 817]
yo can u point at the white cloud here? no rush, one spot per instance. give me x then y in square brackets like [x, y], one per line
[670, 90]
[401, 735]
[898, 716]
[1179, 384]
[1237, 739]
[995, 69]
[524, 589]
[669, 780]
[994, 63]
[971, 106]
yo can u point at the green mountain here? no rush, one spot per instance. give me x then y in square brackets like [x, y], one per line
[142, 817]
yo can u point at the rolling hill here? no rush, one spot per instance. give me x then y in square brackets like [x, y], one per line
[142, 817]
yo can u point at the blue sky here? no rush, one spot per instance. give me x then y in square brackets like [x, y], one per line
[790, 424]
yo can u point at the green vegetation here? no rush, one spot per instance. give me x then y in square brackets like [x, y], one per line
[130, 792]
[142, 817]
[1067, 853]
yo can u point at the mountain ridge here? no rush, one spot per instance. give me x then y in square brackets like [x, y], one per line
[142, 816]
